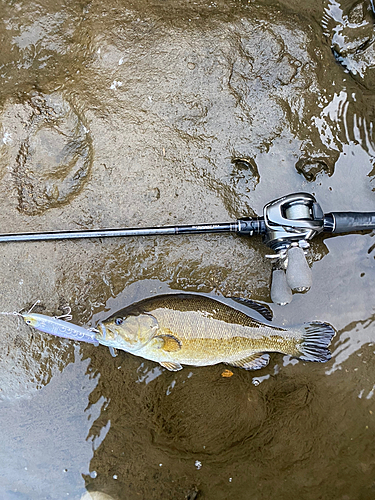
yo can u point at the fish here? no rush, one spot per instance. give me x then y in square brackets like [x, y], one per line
[193, 329]
[59, 328]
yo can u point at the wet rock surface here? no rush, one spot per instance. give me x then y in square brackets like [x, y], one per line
[119, 115]
[52, 161]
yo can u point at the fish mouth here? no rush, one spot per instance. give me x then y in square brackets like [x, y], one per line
[102, 330]
[104, 333]
[109, 336]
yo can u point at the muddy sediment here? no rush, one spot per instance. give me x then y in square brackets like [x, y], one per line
[115, 115]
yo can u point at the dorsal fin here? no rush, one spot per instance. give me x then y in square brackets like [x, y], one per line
[265, 311]
[253, 362]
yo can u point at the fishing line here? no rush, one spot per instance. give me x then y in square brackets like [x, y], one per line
[16, 313]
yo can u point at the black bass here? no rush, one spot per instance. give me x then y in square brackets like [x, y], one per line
[191, 329]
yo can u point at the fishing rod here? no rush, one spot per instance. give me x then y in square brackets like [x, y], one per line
[287, 225]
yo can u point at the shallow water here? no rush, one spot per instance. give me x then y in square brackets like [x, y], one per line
[155, 113]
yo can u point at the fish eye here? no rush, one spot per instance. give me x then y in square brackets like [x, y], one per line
[119, 321]
[28, 321]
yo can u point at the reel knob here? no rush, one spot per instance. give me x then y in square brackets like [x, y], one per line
[280, 290]
[298, 272]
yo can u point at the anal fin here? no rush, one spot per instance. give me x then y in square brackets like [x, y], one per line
[172, 367]
[253, 362]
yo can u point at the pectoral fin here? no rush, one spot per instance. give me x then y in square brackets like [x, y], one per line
[172, 367]
[253, 362]
[168, 343]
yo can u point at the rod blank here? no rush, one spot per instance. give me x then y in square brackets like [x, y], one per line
[100, 233]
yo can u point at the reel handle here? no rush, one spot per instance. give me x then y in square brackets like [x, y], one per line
[297, 277]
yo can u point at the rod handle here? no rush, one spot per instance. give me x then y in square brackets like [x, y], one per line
[348, 222]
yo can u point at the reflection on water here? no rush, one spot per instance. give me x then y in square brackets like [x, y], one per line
[116, 115]
[44, 446]
[350, 28]
[352, 338]
[147, 375]
[338, 124]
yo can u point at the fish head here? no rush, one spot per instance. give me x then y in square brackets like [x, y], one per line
[129, 333]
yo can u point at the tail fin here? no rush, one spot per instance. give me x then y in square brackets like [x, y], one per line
[316, 337]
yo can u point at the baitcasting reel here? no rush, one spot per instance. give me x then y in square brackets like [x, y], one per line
[291, 222]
